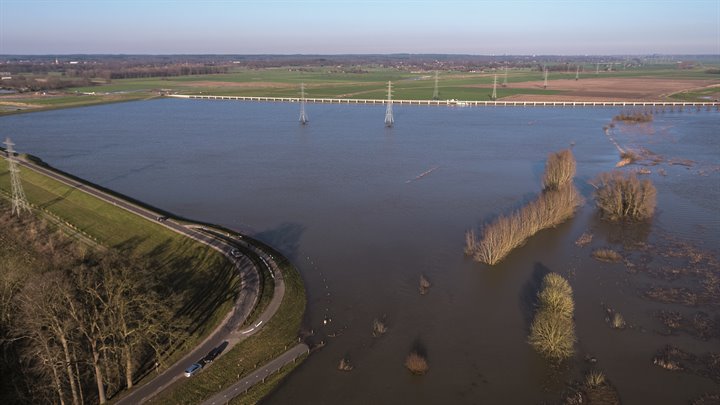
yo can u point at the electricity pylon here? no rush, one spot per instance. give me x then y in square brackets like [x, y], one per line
[303, 115]
[19, 201]
[577, 73]
[545, 82]
[494, 93]
[436, 93]
[389, 120]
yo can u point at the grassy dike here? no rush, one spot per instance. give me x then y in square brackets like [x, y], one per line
[202, 276]
[205, 278]
[67, 100]
[274, 338]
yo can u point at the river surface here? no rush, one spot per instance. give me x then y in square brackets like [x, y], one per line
[364, 210]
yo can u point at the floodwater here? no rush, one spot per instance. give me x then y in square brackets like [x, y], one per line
[364, 210]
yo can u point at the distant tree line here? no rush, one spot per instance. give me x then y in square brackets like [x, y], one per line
[77, 325]
[22, 83]
[120, 71]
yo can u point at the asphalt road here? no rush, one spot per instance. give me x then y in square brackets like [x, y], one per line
[258, 376]
[247, 297]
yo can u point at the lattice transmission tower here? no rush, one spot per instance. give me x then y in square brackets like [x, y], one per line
[577, 73]
[545, 82]
[436, 92]
[303, 114]
[19, 201]
[389, 120]
[494, 93]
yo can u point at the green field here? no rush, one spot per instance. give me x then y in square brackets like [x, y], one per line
[15, 105]
[330, 82]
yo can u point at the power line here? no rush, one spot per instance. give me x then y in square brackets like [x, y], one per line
[303, 115]
[19, 201]
[389, 120]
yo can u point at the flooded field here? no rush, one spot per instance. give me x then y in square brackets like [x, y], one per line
[364, 211]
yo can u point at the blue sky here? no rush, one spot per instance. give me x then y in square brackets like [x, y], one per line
[380, 26]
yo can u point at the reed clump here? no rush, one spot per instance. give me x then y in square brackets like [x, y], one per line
[345, 365]
[424, 285]
[607, 255]
[559, 170]
[552, 332]
[556, 204]
[617, 321]
[508, 232]
[416, 363]
[379, 327]
[621, 196]
[627, 157]
[594, 379]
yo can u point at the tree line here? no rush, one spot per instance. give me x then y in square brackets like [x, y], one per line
[77, 324]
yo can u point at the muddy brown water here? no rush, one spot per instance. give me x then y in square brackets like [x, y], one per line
[347, 201]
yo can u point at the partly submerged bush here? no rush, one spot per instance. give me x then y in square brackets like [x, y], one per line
[607, 255]
[556, 296]
[623, 197]
[617, 321]
[555, 205]
[552, 332]
[501, 236]
[345, 365]
[424, 284]
[379, 327]
[416, 363]
[594, 379]
[552, 335]
[559, 170]
[634, 117]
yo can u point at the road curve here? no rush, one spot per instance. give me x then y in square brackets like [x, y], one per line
[258, 375]
[247, 299]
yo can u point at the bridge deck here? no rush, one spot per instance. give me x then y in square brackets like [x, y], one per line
[460, 103]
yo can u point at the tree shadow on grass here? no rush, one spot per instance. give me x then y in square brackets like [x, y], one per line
[202, 292]
[50, 203]
[528, 294]
[130, 245]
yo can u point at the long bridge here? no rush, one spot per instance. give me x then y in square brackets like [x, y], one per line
[460, 103]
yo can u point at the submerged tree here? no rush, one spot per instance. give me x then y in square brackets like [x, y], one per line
[552, 332]
[559, 170]
[622, 196]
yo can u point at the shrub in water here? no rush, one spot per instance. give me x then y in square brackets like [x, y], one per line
[552, 332]
[556, 296]
[594, 379]
[618, 322]
[559, 170]
[553, 335]
[607, 255]
[500, 237]
[623, 197]
[379, 327]
[416, 363]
